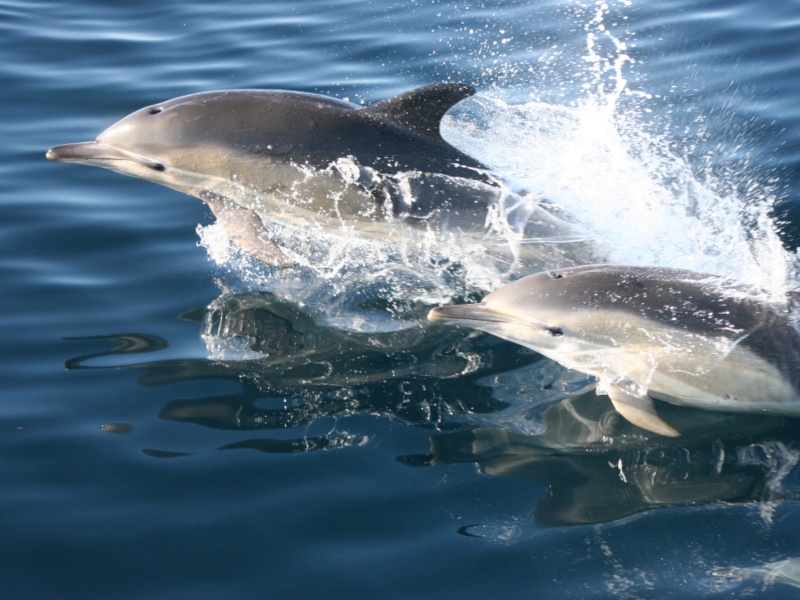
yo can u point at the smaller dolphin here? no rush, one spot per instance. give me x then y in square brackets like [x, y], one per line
[681, 336]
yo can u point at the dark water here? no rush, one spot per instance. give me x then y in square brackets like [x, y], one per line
[210, 438]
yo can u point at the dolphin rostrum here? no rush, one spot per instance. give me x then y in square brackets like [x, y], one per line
[681, 336]
[307, 160]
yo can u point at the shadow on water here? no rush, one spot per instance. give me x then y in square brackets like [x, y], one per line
[596, 466]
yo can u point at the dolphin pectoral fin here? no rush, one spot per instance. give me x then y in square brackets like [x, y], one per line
[639, 410]
[246, 231]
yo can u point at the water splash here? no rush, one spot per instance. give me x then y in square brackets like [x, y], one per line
[645, 203]
[633, 192]
[355, 284]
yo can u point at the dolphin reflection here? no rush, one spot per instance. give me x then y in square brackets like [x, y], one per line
[597, 467]
[292, 372]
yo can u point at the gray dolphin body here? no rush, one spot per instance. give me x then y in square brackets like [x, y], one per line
[306, 159]
[680, 336]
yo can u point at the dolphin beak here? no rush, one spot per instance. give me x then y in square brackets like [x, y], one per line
[468, 313]
[91, 153]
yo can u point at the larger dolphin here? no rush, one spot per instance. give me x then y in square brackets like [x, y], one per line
[676, 335]
[306, 159]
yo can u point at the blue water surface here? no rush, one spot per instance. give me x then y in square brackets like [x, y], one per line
[144, 454]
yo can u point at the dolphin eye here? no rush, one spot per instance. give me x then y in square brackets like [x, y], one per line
[555, 275]
[157, 167]
[155, 110]
[555, 331]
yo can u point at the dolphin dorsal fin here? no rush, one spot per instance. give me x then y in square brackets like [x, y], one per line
[422, 109]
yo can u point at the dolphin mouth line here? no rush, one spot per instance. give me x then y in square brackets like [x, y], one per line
[472, 315]
[94, 153]
[471, 312]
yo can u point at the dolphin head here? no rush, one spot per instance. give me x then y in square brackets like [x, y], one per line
[163, 143]
[542, 312]
[185, 142]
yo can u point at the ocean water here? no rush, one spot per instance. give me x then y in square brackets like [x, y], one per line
[177, 422]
